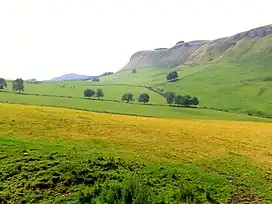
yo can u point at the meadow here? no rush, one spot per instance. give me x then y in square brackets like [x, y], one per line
[76, 89]
[242, 88]
[56, 155]
[240, 97]
[117, 107]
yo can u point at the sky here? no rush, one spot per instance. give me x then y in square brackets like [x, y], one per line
[43, 39]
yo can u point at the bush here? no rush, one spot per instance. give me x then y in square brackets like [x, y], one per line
[172, 76]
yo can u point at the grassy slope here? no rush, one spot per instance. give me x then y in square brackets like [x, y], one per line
[238, 82]
[59, 155]
[235, 87]
[146, 76]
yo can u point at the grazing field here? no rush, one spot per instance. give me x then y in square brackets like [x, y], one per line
[76, 89]
[61, 155]
[234, 87]
[239, 87]
[162, 111]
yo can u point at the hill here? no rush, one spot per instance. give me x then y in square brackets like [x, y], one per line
[232, 73]
[242, 46]
[55, 155]
[72, 76]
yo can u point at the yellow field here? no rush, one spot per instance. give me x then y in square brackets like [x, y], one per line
[155, 139]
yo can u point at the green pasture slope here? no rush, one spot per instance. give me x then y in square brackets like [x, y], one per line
[112, 92]
[241, 82]
[51, 94]
[159, 111]
[244, 87]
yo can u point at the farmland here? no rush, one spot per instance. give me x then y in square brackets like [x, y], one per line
[126, 108]
[69, 94]
[242, 88]
[112, 92]
[55, 151]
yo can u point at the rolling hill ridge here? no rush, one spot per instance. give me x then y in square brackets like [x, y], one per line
[255, 42]
[232, 73]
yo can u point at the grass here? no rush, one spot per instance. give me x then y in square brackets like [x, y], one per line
[233, 81]
[218, 86]
[233, 84]
[124, 108]
[112, 92]
[230, 86]
[55, 155]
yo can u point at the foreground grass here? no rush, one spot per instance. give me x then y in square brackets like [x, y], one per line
[54, 155]
[124, 108]
[63, 172]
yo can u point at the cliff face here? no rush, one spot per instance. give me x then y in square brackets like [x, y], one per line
[202, 51]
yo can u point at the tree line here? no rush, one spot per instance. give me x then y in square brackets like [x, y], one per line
[91, 93]
[127, 97]
[187, 100]
[171, 97]
[17, 85]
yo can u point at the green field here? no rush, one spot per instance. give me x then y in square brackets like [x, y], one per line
[234, 87]
[124, 108]
[113, 92]
[54, 155]
[58, 146]
[239, 85]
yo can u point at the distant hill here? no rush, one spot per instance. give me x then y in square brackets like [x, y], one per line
[71, 76]
[232, 73]
[248, 45]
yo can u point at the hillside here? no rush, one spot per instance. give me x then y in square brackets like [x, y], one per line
[72, 76]
[233, 73]
[242, 45]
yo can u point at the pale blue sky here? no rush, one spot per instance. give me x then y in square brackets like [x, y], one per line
[44, 39]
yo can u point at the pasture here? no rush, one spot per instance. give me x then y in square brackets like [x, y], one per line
[237, 87]
[159, 111]
[76, 89]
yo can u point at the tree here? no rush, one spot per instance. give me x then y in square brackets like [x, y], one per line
[134, 71]
[189, 100]
[144, 97]
[195, 101]
[127, 97]
[89, 93]
[172, 76]
[170, 97]
[179, 100]
[18, 85]
[3, 83]
[99, 93]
